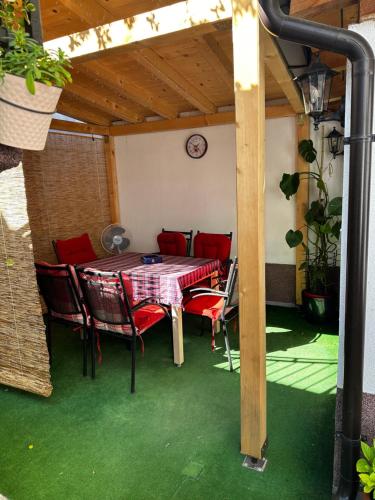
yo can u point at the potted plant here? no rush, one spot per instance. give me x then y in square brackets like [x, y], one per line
[323, 222]
[366, 469]
[31, 80]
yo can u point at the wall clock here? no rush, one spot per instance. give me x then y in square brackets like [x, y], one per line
[196, 146]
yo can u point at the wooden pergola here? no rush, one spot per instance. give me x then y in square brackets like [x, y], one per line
[154, 65]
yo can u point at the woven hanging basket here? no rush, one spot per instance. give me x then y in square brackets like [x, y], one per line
[26, 118]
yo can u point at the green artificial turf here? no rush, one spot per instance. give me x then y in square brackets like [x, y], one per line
[178, 435]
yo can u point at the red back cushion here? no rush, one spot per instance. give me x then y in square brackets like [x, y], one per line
[172, 244]
[75, 250]
[212, 246]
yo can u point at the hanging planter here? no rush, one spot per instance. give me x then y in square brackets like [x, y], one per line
[26, 118]
[31, 80]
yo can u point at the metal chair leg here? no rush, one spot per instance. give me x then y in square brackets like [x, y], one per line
[132, 387]
[93, 353]
[84, 350]
[226, 338]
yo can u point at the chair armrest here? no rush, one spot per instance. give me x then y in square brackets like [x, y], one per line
[150, 301]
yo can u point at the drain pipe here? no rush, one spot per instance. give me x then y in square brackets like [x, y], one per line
[355, 48]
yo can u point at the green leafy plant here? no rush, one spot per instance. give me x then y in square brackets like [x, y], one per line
[22, 56]
[322, 219]
[366, 468]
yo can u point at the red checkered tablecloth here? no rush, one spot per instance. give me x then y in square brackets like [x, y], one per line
[163, 282]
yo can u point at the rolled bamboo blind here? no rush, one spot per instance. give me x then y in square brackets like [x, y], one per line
[67, 192]
[24, 361]
[58, 193]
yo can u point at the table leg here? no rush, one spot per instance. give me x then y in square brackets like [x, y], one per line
[178, 335]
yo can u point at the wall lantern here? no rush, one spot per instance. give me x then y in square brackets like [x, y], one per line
[335, 142]
[315, 84]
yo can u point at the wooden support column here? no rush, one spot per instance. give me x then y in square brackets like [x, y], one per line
[248, 54]
[109, 147]
[302, 203]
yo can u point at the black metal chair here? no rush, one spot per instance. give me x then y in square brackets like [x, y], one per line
[59, 288]
[108, 297]
[188, 236]
[217, 305]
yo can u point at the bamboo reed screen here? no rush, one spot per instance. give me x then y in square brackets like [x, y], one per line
[67, 192]
[24, 361]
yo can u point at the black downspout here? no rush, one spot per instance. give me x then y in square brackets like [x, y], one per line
[355, 48]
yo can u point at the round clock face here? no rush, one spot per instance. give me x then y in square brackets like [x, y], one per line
[196, 146]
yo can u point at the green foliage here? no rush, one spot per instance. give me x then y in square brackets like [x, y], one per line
[323, 220]
[366, 468]
[289, 184]
[307, 151]
[12, 17]
[22, 56]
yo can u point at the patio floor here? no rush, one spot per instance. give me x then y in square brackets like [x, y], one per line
[178, 435]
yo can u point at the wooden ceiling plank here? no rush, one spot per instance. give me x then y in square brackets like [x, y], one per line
[151, 60]
[310, 8]
[81, 112]
[84, 128]
[89, 11]
[109, 105]
[216, 56]
[174, 18]
[116, 82]
[366, 10]
[278, 69]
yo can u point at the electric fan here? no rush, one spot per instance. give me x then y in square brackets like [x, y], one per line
[113, 239]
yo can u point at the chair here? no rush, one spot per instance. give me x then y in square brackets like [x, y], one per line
[213, 246]
[217, 306]
[175, 242]
[74, 250]
[112, 310]
[59, 288]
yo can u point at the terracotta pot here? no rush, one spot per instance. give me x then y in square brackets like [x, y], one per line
[317, 308]
[26, 118]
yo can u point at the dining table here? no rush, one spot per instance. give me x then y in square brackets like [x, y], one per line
[163, 282]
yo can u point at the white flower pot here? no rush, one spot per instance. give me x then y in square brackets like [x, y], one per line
[25, 118]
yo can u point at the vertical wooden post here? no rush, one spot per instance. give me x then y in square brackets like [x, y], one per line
[109, 147]
[250, 124]
[302, 203]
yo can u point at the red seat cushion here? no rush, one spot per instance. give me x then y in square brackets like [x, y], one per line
[206, 305]
[172, 244]
[75, 250]
[212, 246]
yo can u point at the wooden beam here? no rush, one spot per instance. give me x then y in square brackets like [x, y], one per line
[112, 105]
[88, 11]
[166, 73]
[123, 86]
[311, 8]
[366, 10]
[84, 128]
[113, 195]
[176, 124]
[276, 65]
[249, 88]
[279, 111]
[80, 111]
[160, 22]
[197, 121]
[302, 203]
[217, 58]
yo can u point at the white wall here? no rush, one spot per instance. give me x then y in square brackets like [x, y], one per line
[366, 29]
[160, 186]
